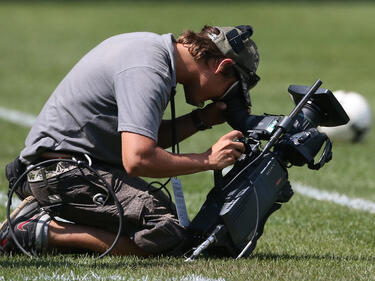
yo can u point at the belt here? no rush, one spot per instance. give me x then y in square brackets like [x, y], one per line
[56, 155]
[53, 170]
[62, 155]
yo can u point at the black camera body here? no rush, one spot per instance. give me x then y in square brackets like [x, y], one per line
[233, 216]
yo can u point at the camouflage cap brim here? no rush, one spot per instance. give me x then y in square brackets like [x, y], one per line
[234, 43]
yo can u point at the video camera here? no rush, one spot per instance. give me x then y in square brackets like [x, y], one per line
[233, 216]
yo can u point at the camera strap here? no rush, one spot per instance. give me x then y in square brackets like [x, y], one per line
[173, 117]
[176, 182]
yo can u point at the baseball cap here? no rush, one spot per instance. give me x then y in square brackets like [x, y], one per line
[235, 43]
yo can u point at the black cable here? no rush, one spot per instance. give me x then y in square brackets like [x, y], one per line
[256, 226]
[174, 145]
[256, 200]
[78, 163]
[211, 238]
[119, 209]
[257, 207]
[243, 169]
[174, 129]
[162, 186]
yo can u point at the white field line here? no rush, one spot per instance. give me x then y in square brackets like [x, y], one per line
[334, 197]
[4, 200]
[19, 118]
[27, 120]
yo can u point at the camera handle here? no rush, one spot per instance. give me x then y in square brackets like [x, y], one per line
[218, 178]
[325, 157]
[287, 121]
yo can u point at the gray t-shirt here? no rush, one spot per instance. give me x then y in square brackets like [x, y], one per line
[123, 84]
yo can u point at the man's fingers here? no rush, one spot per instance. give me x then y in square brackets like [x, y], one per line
[217, 106]
[239, 146]
[220, 105]
[233, 135]
[237, 154]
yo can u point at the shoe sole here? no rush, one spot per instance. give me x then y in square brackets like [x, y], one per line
[25, 202]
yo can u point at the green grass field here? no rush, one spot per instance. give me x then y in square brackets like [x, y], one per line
[298, 43]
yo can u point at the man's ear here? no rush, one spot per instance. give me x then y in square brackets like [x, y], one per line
[221, 65]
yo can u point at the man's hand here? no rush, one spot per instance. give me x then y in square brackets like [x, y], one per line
[225, 151]
[213, 113]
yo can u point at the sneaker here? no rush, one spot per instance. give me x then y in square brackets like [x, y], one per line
[30, 226]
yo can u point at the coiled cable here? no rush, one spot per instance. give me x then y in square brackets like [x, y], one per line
[79, 163]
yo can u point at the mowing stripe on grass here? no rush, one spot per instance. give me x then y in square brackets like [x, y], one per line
[19, 118]
[27, 120]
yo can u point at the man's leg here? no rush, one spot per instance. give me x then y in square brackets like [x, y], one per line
[149, 217]
[37, 233]
[67, 236]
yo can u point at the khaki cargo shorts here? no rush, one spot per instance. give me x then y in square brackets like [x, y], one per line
[74, 194]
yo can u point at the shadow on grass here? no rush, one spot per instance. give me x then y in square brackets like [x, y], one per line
[134, 263]
[313, 257]
[19, 261]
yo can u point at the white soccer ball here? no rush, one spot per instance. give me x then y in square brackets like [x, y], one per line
[359, 112]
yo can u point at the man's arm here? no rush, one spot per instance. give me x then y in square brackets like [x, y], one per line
[211, 115]
[142, 157]
[184, 129]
